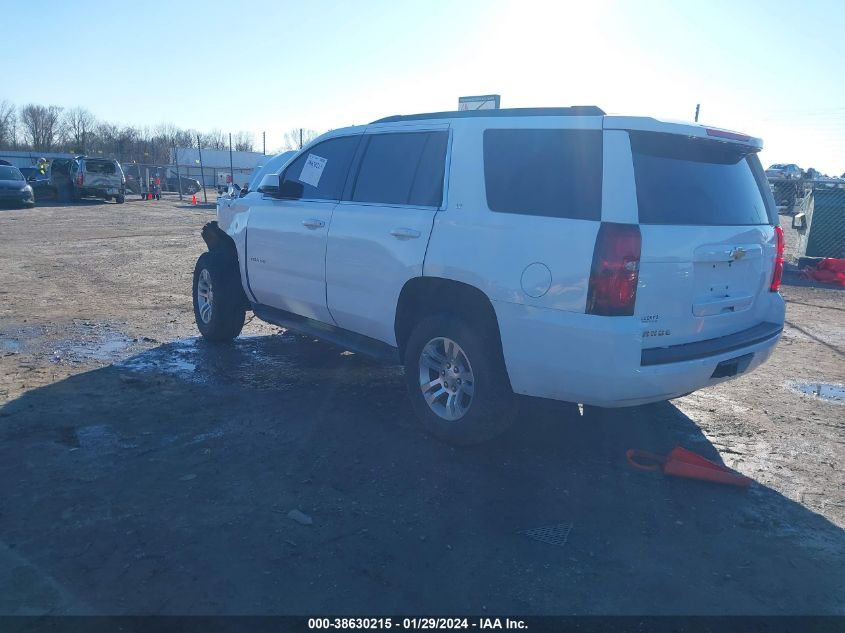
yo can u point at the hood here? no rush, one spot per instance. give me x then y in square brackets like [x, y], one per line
[12, 184]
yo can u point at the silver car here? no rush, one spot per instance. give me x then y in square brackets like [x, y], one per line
[97, 178]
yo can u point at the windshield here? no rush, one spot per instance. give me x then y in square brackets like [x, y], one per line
[10, 173]
[683, 180]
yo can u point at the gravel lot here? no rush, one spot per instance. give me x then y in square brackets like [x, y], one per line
[144, 471]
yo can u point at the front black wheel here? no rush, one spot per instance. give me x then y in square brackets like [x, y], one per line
[120, 199]
[218, 305]
[457, 380]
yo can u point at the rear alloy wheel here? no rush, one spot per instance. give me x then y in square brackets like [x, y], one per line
[218, 308]
[446, 378]
[457, 380]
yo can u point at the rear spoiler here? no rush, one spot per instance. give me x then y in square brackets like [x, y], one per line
[648, 124]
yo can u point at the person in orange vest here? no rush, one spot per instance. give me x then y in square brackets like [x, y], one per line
[157, 188]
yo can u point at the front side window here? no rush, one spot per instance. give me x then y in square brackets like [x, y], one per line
[320, 172]
[546, 172]
[404, 168]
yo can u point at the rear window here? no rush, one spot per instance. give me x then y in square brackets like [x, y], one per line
[685, 180]
[10, 173]
[553, 173]
[100, 167]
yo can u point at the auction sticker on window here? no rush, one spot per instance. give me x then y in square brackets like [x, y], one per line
[312, 170]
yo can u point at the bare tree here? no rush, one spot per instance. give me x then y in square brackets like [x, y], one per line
[243, 141]
[41, 125]
[7, 123]
[298, 138]
[79, 126]
[215, 139]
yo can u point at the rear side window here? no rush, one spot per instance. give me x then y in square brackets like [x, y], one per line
[553, 173]
[402, 168]
[692, 181]
[320, 172]
[100, 167]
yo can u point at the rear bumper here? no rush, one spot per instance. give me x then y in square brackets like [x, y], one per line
[100, 192]
[711, 347]
[599, 360]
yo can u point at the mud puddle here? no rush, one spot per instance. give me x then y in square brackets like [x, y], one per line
[76, 342]
[275, 362]
[821, 390]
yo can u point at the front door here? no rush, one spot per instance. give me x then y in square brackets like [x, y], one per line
[286, 236]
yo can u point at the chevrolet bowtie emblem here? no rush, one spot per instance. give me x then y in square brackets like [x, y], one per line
[737, 253]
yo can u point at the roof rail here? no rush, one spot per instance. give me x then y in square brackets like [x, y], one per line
[467, 114]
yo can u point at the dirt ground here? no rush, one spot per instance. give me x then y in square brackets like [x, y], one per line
[143, 471]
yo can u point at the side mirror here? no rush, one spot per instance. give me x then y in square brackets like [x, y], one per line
[291, 189]
[269, 185]
[799, 221]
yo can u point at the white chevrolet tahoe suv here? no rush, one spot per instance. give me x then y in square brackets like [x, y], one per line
[551, 252]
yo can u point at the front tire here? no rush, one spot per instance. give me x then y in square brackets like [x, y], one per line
[457, 380]
[218, 307]
[120, 199]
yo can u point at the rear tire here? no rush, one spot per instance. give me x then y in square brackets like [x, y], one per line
[457, 380]
[217, 293]
[120, 199]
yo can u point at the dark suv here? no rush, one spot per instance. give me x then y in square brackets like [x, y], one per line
[189, 185]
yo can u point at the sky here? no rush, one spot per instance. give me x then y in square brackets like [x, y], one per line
[770, 68]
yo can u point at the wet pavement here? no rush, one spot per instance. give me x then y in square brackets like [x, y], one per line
[143, 470]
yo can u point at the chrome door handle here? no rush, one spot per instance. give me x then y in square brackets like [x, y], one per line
[405, 234]
[313, 223]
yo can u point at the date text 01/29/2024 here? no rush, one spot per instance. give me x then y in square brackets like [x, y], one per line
[416, 623]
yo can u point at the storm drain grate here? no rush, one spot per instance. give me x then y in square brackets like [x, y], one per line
[551, 534]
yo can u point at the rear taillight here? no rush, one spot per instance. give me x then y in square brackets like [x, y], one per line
[615, 271]
[79, 179]
[778, 274]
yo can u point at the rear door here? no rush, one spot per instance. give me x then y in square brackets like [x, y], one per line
[380, 231]
[708, 244]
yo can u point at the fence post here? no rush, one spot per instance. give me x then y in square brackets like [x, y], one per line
[231, 167]
[178, 177]
[202, 174]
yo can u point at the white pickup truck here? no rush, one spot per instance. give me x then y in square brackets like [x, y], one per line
[552, 252]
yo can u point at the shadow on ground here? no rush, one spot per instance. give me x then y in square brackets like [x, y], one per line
[163, 484]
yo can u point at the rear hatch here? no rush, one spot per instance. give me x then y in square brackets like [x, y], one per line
[104, 174]
[708, 240]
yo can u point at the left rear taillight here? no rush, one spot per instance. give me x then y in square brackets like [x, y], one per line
[80, 179]
[778, 274]
[615, 271]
